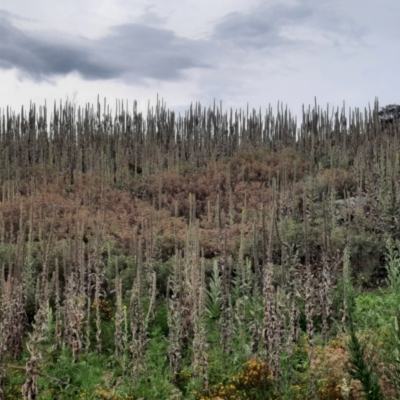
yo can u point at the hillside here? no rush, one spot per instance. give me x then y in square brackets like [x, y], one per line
[189, 257]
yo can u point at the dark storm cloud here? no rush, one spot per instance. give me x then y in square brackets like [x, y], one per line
[131, 52]
[266, 26]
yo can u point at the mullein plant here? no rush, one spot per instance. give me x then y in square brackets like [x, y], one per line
[78, 294]
[38, 336]
[276, 329]
[137, 320]
[75, 303]
[226, 302]
[98, 297]
[175, 317]
[200, 345]
[13, 316]
[140, 317]
[186, 304]
[270, 323]
[191, 269]
[310, 311]
[348, 289]
[58, 328]
[5, 303]
[213, 293]
[255, 328]
[241, 290]
[241, 266]
[293, 295]
[150, 274]
[86, 336]
[121, 338]
[281, 335]
[13, 321]
[291, 290]
[118, 318]
[288, 299]
[325, 295]
[283, 365]
[247, 309]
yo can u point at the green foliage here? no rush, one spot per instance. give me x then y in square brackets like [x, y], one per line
[294, 382]
[126, 267]
[361, 367]
[348, 287]
[214, 294]
[392, 337]
[292, 229]
[365, 251]
[155, 382]
[95, 377]
[375, 310]
[393, 264]
[12, 385]
[163, 269]
[81, 377]
[6, 252]
[159, 323]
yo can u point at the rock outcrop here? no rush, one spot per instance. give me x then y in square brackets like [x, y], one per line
[348, 206]
[390, 113]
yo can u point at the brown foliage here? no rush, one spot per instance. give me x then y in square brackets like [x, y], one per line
[92, 202]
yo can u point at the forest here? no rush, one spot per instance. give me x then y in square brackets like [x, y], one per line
[215, 255]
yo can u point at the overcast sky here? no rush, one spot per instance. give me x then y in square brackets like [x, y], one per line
[236, 51]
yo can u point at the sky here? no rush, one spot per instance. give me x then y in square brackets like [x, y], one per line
[240, 52]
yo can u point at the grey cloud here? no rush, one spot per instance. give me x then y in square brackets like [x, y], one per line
[136, 51]
[264, 26]
[149, 17]
[130, 52]
[144, 50]
[9, 15]
[260, 27]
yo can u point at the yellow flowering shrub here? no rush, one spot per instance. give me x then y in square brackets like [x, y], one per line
[255, 381]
